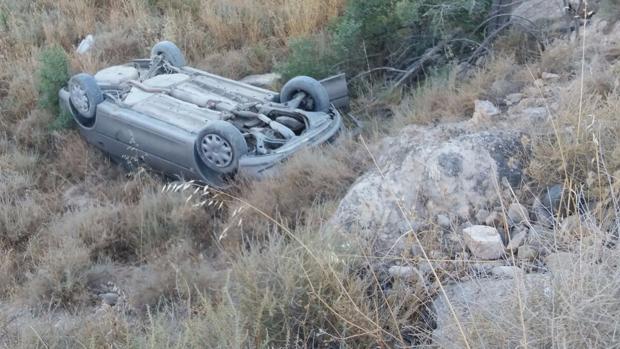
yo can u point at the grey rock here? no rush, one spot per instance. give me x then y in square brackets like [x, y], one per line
[406, 273]
[484, 111]
[416, 250]
[444, 221]
[538, 231]
[547, 204]
[484, 268]
[513, 98]
[527, 252]
[484, 242]
[517, 213]
[550, 76]
[536, 115]
[517, 240]
[504, 87]
[481, 216]
[485, 300]
[85, 45]
[551, 197]
[492, 219]
[109, 298]
[429, 171]
[507, 272]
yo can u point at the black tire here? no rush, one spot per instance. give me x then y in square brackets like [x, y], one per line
[317, 97]
[170, 52]
[84, 95]
[220, 145]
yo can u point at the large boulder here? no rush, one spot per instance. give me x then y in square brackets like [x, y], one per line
[487, 312]
[429, 171]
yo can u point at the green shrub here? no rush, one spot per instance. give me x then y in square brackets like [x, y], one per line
[308, 56]
[3, 20]
[53, 74]
[610, 10]
[375, 33]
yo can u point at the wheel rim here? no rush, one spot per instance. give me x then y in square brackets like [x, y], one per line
[216, 150]
[80, 99]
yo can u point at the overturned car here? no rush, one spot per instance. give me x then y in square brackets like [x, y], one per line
[195, 125]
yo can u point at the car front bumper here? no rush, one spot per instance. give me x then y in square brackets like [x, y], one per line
[255, 165]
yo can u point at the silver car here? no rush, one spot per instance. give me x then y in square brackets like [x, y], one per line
[195, 125]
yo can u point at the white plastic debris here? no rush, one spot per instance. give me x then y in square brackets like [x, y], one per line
[86, 44]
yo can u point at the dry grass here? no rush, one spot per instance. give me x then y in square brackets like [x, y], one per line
[71, 222]
[312, 178]
[450, 97]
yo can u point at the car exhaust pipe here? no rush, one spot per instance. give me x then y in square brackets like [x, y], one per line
[286, 132]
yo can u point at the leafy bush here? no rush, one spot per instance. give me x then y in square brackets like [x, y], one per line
[53, 74]
[3, 19]
[375, 33]
[610, 10]
[310, 57]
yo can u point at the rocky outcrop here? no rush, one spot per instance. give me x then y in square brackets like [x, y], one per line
[426, 172]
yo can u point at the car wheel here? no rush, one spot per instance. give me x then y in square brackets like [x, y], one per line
[84, 95]
[317, 98]
[170, 52]
[220, 145]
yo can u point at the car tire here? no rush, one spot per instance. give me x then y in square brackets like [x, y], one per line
[220, 145]
[170, 52]
[313, 89]
[84, 95]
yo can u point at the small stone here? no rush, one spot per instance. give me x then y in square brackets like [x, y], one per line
[86, 44]
[481, 216]
[485, 268]
[484, 111]
[536, 113]
[484, 242]
[416, 250]
[517, 240]
[443, 221]
[109, 298]
[517, 214]
[527, 252]
[547, 204]
[550, 76]
[513, 98]
[538, 232]
[506, 272]
[552, 197]
[407, 273]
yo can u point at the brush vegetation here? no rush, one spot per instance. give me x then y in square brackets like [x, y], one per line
[256, 266]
